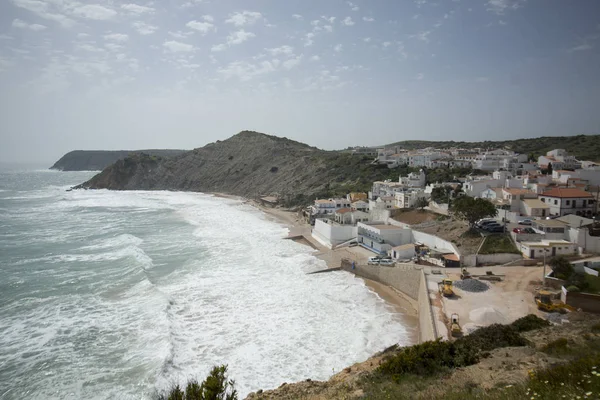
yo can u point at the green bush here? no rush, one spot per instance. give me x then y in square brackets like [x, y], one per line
[529, 323]
[573, 288]
[556, 346]
[432, 357]
[216, 386]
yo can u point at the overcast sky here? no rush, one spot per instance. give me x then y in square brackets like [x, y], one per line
[112, 74]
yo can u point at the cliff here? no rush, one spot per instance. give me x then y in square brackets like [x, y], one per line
[97, 160]
[247, 164]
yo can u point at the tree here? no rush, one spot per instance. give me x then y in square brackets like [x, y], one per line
[441, 194]
[216, 386]
[421, 203]
[562, 267]
[473, 209]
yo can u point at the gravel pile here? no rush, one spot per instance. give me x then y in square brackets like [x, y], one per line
[556, 318]
[471, 285]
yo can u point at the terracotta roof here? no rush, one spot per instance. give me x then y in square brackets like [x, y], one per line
[451, 257]
[566, 193]
[343, 210]
[517, 191]
[535, 203]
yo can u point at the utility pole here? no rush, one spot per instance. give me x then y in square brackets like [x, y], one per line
[544, 272]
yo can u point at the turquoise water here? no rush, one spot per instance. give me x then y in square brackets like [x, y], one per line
[114, 295]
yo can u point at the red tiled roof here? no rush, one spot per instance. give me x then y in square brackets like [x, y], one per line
[566, 193]
[517, 191]
[343, 210]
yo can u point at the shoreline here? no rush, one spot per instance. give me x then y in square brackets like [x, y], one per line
[404, 306]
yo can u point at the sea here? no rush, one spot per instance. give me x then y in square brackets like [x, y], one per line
[122, 294]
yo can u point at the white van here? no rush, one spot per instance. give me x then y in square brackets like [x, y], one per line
[374, 260]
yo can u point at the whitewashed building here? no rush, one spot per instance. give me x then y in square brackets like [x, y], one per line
[563, 201]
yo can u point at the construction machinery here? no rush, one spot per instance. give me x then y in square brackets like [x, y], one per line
[455, 328]
[545, 302]
[445, 288]
[464, 274]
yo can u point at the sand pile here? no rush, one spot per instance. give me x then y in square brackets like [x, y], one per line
[487, 316]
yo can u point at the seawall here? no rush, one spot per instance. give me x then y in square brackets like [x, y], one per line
[408, 279]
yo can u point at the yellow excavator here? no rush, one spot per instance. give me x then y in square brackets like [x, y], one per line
[545, 302]
[455, 328]
[445, 287]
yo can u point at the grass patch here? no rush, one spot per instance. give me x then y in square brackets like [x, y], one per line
[557, 346]
[592, 284]
[529, 323]
[498, 244]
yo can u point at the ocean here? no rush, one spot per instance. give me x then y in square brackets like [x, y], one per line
[118, 295]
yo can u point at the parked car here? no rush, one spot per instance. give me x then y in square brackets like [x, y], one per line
[487, 227]
[525, 221]
[528, 230]
[386, 261]
[483, 222]
[352, 244]
[373, 261]
[497, 229]
[518, 230]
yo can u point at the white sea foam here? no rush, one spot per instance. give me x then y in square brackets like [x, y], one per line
[149, 288]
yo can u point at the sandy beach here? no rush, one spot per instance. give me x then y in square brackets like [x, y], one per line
[400, 303]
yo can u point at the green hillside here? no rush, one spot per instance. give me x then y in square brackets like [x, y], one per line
[584, 147]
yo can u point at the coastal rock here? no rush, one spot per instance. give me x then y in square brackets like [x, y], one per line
[97, 160]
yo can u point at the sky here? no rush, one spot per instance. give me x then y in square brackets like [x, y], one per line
[117, 74]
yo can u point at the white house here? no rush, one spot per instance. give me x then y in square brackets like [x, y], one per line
[563, 201]
[402, 252]
[413, 179]
[474, 188]
[534, 208]
[360, 205]
[347, 216]
[328, 206]
[380, 238]
[331, 234]
[560, 159]
[409, 198]
[549, 248]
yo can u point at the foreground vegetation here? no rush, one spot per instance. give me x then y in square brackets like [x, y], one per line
[498, 244]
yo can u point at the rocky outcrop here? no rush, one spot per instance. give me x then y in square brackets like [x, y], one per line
[97, 160]
[246, 164]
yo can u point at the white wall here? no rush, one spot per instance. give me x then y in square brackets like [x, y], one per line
[497, 259]
[330, 235]
[434, 242]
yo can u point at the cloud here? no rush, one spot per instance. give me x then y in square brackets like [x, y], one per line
[367, 39]
[501, 6]
[143, 28]
[178, 47]
[239, 37]
[285, 50]
[219, 47]
[203, 27]
[308, 41]
[423, 36]
[244, 70]
[419, 76]
[41, 9]
[137, 9]
[208, 18]
[328, 28]
[348, 21]
[297, 17]
[581, 47]
[315, 58]
[95, 12]
[386, 44]
[117, 37]
[17, 23]
[353, 6]
[292, 62]
[338, 48]
[243, 18]
[331, 20]
[368, 19]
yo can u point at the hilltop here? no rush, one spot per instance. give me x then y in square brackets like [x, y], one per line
[247, 164]
[584, 147]
[97, 160]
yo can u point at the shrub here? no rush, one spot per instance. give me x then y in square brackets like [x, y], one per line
[216, 386]
[529, 323]
[596, 328]
[573, 288]
[555, 346]
[274, 169]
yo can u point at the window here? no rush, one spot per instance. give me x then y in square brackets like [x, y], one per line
[583, 203]
[568, 202]
[555, 202]
[543, 200]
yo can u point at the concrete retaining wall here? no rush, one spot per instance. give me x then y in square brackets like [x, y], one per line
[587, 302]
[434, 242]
[410, 280]
[427, 330]
[495, 259]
